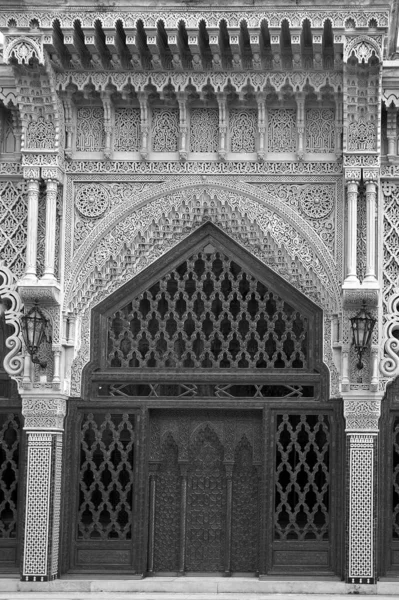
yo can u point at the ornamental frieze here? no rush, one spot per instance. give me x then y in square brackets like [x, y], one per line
[191, 18]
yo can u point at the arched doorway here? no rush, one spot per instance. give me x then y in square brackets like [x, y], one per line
[208, 443]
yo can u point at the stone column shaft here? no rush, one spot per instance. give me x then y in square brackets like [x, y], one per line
[371, 201]
[51, 217]
[351, 246]
[31, 242]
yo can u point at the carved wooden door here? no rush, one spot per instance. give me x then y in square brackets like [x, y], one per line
[206, 501]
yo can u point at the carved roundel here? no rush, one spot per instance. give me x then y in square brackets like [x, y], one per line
[316, 203]
[92, 200]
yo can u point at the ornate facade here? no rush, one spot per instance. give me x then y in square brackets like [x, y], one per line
[200, 201]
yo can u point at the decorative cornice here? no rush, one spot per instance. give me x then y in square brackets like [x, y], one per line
[192, 17]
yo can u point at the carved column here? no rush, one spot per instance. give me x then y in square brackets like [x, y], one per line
[51, 217]
[183, 515]
[222, 125]
[33, 176]
[362, 417]
[142, 96]
[370, 176]
[352, 180]
[392, 132]
[44, 421]
[151, 534]
[261, 100]
[338, 124]
[107, 105]
[300, 120]
[183, 125]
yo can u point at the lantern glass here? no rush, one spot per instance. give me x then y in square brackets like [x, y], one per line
[34, 325]
[362, 329]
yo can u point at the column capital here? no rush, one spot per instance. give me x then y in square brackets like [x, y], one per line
[44, 413]
[362, 414]
[370, 175]
[52, 174]
[352, 175]
[31, 173]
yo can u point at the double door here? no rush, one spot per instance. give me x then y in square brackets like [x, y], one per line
[205, 492]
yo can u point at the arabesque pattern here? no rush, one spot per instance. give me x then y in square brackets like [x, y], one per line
[127, 130]
[302, 477]
[165, 130]
[208, 313]
[320, 130]
[106, 477]
[282, 131]
[13, 225]
[90, 134]
[204, 130]
[243, 130]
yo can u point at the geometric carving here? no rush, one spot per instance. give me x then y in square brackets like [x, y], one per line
[106, 477]
[362, 415]
[320, 130]
[243, 129]
[208, 313]
[127, 133]
[204, 130]
[165, 130]
[40, 134]
[90, 134]
[44, 413]
[92, 200]
[13, 225]
[282, 131]
[361, 509]
[362, 135]
[22, 50]
[10, 432]
[302, 477]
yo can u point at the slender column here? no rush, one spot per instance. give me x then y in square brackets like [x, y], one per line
[31, 241]
[229, 477]
[151, 535]
[260, 97]
[44, 417]
[222, 124]
[142, 96]
[300, 123]
[51, 217]
[107, 105]
[345, 382]
[183, 125]
[57, 362]
[362, 415]
[371, 177]
[338, 124]
[183, 516]
[392, 132]
[353, 178]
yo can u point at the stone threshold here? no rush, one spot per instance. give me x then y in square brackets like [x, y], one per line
[191, 588]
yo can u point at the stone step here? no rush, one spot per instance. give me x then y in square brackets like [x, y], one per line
[191, 588]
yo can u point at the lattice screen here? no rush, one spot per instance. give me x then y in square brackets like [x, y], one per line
[106, 477]
[9, 462]
[208, 313]
[302, 477]
[395, 481]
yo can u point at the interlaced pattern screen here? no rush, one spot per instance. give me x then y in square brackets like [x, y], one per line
[9, 462]
[395, 481]
[106, 477]
[208, 313]
[302, 477]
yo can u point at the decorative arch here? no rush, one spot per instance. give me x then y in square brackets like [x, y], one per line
[23, 49]
[363, 46]
[127, 240]
[108, 348]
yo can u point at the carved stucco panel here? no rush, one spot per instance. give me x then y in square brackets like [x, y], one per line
[113, 235]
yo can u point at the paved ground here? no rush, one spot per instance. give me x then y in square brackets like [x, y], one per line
[164, 596]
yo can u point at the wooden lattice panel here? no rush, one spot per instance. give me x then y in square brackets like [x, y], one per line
[208, 313]
[302, 477]
[106, 477]
[9, 462]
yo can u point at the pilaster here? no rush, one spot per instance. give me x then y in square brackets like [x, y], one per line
[352, 177]
[362, 413]
[44, 421]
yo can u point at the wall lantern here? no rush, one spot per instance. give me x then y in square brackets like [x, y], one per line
[33, 326]
[362, 325]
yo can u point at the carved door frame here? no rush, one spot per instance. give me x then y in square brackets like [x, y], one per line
[103, 392]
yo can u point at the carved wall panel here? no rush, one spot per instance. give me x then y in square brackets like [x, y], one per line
[90, 134]
[127, 133]
[243, 130]
[204, 130]
[165, 130]
[13, 224]
[320, 130]
[40, 135]
[282, 130]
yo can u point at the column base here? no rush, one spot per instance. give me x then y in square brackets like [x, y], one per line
[39, 578]
[370, 281]
[351, 282]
